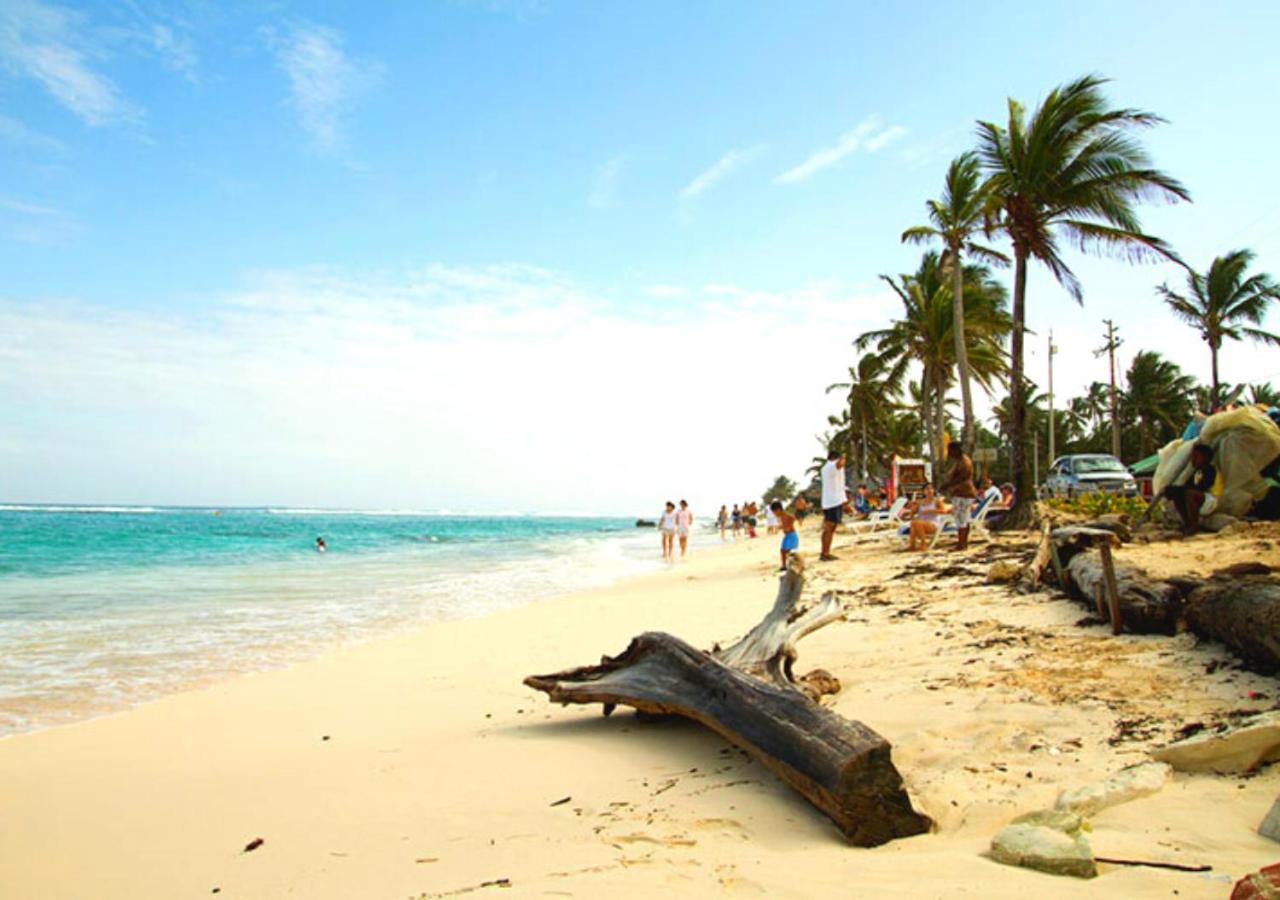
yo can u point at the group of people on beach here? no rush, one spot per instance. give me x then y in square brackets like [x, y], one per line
[674, 525]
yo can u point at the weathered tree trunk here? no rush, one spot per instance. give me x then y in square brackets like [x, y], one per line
[841, 767]
[748, 694]
[1146, 606]
[1023, 513]
[962, 349]
[769, 650]
[1244, 614]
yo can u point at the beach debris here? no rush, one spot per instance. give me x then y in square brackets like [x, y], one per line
[1049, 840]
[1239, 749]
[1270, 827]
[1153, 864]
[1003, 571]
[1129, 783]
[324, 737]
[1261, 885]
[748, 695]
[562, 801]
[253, 845]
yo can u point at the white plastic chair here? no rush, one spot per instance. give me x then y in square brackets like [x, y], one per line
[879, 518]
[977, 524]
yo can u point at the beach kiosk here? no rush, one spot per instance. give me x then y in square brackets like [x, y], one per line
[907, 475]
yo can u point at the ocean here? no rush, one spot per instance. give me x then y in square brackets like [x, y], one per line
[102, 608]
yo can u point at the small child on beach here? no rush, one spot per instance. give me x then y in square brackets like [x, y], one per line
[790, 538]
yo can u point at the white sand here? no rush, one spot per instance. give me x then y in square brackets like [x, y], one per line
[441, 768]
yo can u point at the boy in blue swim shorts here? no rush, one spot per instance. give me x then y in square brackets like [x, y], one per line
[790, 539]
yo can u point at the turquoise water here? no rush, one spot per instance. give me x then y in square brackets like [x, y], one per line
[105, 607]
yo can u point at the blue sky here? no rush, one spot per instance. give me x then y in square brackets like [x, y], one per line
[265, 252]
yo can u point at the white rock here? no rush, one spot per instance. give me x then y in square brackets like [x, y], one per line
[1238, 750]
[1044, 849]
[1128, 784]
[1270, 827]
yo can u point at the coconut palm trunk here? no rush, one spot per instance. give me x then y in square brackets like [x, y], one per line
[962, 351]
[1023, 513]
[1214, 396]
[940, 425]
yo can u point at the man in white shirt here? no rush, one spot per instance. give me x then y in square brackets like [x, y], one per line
[834, 499]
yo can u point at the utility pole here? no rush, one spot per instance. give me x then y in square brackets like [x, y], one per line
[1052, 350]
[1109, 348]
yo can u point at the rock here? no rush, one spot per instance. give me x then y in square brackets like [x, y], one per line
[1044, 849]
[1261, 885]
[1002, 571]
[819, 683]
[1270, 827]
[1238, 750]
[1128, 784]
[1069, 823]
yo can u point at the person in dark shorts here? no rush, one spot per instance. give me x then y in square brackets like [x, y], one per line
[834, 499]
[801, 507]
[1194, 498]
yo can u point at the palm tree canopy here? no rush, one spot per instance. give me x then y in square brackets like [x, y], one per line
[1073, 171]
[959, 215]
[1223, 302]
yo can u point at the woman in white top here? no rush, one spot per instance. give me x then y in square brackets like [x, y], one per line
[667, 527]
[684, 521]
[924, 518]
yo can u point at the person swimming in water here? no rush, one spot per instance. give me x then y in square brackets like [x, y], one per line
[320, 545]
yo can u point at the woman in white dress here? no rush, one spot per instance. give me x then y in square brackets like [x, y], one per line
[667, 528]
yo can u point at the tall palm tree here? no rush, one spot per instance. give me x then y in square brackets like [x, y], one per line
[1072, 171]
[955, 220]
[1157, 399]
[1265, 394]
[924, 335]
[1223, 303]
[871, 385]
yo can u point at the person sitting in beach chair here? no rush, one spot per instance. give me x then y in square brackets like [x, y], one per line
[861, 502]
[924, 512]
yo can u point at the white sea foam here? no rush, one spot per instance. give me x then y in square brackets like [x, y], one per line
[19, 507]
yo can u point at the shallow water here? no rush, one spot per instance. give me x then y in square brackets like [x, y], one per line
[105, 607]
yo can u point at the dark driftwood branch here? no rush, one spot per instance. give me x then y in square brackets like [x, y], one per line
[1243, 613]
[841, 767]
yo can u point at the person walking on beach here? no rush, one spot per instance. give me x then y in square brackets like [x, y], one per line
[835, 497]
[684, 521]
[737, 521]
[790, 539]
[770, 520]
[960, 490]
[722, 520]
[667, 527]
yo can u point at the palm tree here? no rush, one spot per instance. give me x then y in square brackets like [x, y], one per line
[924, 335]
[955, 220]
[1265, 394]
[1223, 303]
[871, 385]
[1157, 399]
[1070, 172]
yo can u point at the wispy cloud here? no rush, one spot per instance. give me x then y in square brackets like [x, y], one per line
[718, 170]
[53, 46]
[18, 135]
[868, 135]
[324, 82]
[34, 223]
[175, 48]
[604, 183]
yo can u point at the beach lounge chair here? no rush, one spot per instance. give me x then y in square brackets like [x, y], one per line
[977, 524]
[878, 519]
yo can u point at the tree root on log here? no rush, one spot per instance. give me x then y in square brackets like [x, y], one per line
[748, 694]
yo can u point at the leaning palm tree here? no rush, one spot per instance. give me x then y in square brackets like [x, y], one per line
[1069, 172]
[1224, 304]
[868, 392]
[955, 220]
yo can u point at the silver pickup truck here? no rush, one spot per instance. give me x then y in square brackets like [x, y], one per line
[1084, 473]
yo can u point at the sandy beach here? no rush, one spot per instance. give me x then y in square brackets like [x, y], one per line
[420, 765]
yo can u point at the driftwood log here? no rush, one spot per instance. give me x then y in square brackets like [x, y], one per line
[748, 694]
[1145, 605]
[1244, 614]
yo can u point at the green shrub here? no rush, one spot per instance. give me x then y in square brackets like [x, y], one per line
[1099, 503]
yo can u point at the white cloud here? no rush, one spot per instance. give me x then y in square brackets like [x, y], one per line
[33, 223]
[17, 134]
[504, 387]
[867, 135]
[604, 183]
[324, 82]
[718, 170]
[52, 46]
[175, 49]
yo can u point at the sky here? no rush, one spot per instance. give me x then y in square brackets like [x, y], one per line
[539, 255]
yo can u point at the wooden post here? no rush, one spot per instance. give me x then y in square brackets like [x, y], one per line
[1100, 600]
[1113, 591]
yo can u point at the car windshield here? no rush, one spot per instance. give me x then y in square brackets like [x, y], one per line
[1089, 465]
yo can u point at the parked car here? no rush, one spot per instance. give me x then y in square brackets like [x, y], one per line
[1083, 473]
